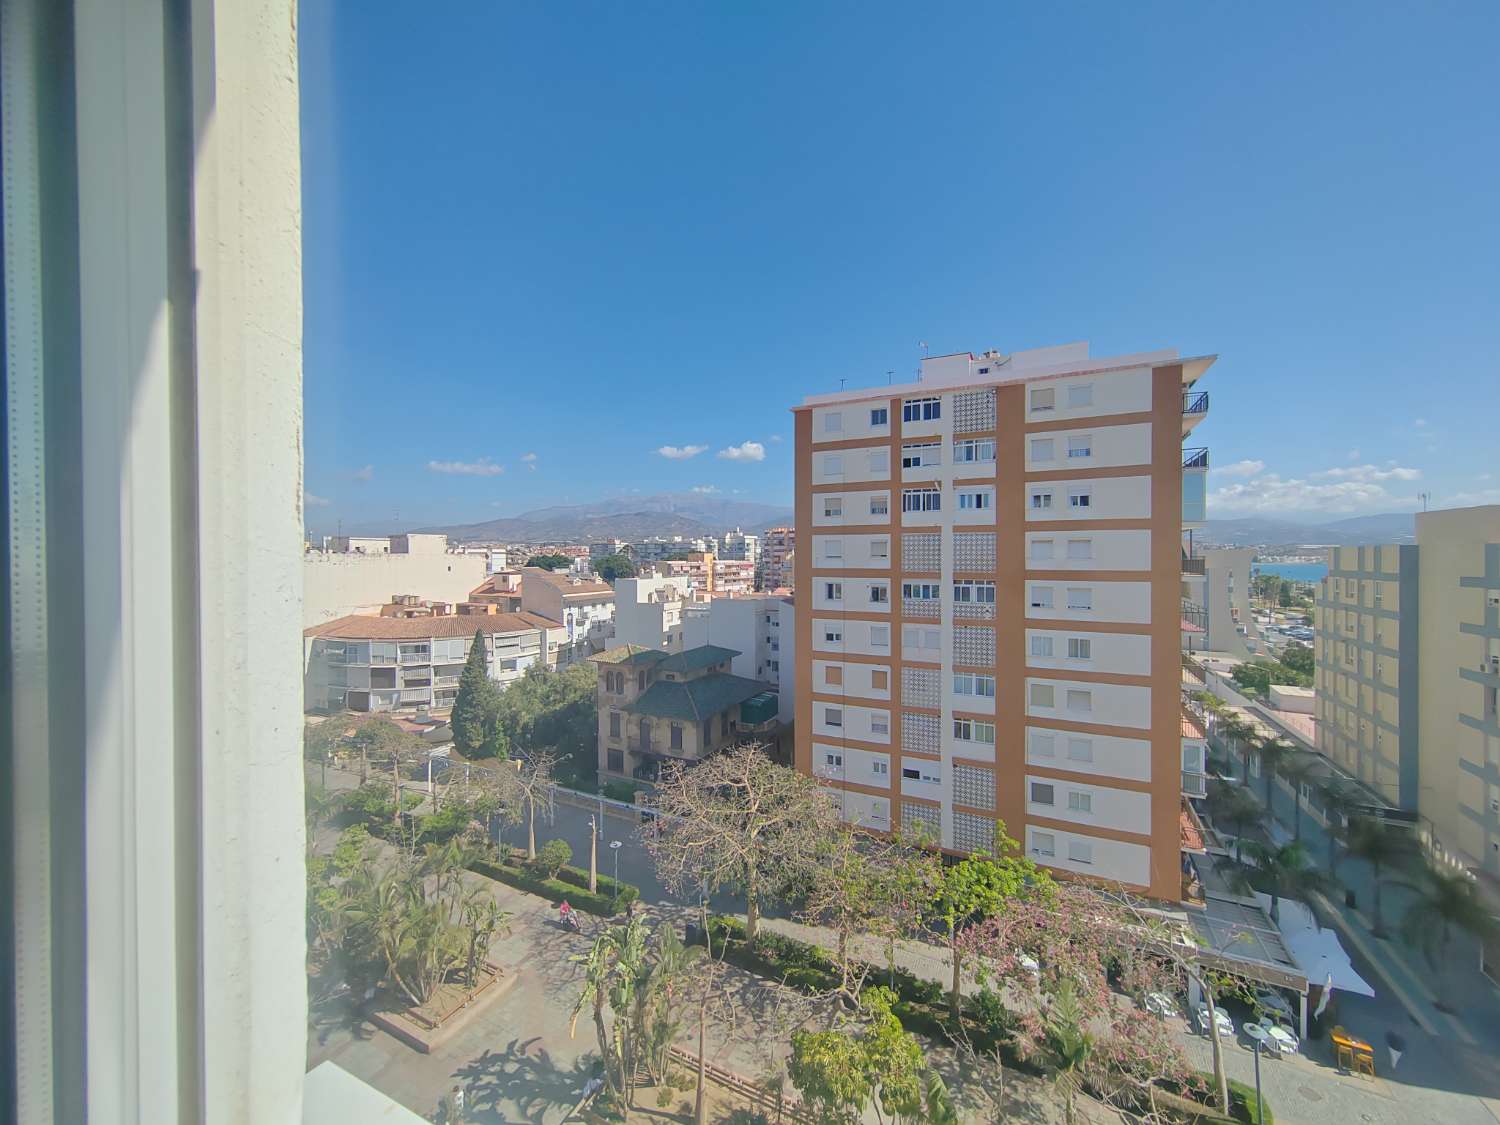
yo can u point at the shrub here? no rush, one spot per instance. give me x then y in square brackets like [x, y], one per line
[989, 1013]
[620, 791]
[552, 857]
[577, 895]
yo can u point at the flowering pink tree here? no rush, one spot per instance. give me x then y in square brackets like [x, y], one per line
[1053, 955]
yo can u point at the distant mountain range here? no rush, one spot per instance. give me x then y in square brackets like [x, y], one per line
[627, 517]
[1391, 527]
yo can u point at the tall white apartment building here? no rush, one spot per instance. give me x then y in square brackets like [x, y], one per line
[741, 545]
[778, 549]
[989, 607]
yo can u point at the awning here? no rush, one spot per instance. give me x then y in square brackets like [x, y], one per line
[1318, 952]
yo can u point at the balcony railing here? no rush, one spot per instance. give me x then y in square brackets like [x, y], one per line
[1193, 564]
[1194, 784]
[1195, 402]
[1195, 458]
[921, 607]
[982, 611]
[1195, 615]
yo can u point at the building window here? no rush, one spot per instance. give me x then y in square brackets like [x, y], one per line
[1043, 843]
[675, 733]
[640, 680]
[915, 638]
[880, 768]
[880, 679]
[1041, 501]
[921, 410]
[880, 505]
[1041, 449]
[833, 636]
[1081, 394]
[833, 761]
[1042, 695]
[978, 501]
[880, 416]
[922, 455]
[978, 593]
[921, 500]
[880, 461]
[1041, 646]
[833, 716]
[1043, 398]
[1079, 447]
[1041, 550]
[833, 591]
[973, 730]
[833, 423]
[833, 674]
[833, 507]
[880, 548]
[833, 464]
[1080, 648]
[880, 636]
[1080, 749]
[973, 450]
[1079, 700]
[880, 593]
[1080, 499]
[1041, 597]
[974, 683]
[614, 724]
[1079, 549]
[1042, 793]
[833, 548]
[920, 591]
[615, 761]
[1043, 745]
[1080, 852]
[1080, 597]
[880, 723]
[1080, 802]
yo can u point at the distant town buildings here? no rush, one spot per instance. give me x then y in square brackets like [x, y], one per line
[707, 575]
[357, 575]
[990, 629]
[584, 608]
[741, 546]
[775, 565]
[1407, 655]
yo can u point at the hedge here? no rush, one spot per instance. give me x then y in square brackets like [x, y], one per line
[574, 889]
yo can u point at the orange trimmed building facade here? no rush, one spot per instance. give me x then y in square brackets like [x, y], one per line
[989, 605]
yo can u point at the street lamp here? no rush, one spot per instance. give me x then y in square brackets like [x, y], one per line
[614, 846]
[1259, 1115]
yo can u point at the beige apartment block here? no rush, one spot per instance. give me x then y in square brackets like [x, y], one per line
[776, 557]
[361, 575]
[989, 607]
[1408, 669]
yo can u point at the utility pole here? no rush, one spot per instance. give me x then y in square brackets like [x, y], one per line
[593, 855]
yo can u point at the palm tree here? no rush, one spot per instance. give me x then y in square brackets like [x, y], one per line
[1375, 843]
[612, 968]
[1285, 872]
[1298, 770]
[1238, 732]
[1338, 805]
[1068, 1035]
[1446, 901]
[1236, 807]
[1273, 752]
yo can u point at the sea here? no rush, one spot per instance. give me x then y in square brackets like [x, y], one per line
[1296, 572]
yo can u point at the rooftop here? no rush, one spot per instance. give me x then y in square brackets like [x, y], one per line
[568, 584]
[695, 700]
[359, 628]
[633, 655]
[696, 659]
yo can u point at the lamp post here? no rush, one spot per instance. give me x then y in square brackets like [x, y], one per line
[1258, 1115]
[614, 846]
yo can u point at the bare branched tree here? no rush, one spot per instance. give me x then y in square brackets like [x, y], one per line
[535, 783]
[737, 820]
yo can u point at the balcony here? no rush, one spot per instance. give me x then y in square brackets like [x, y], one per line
[1194, 497]
[1194, 409]
[921, 607]
[1194, 617]
[1195, 458]
[980, 611]
[1194, 565]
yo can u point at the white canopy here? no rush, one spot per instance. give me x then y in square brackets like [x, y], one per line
[1317, 952]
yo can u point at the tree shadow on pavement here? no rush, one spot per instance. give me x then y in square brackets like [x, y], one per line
[522, 1082]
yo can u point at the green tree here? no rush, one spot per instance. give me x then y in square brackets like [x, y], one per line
[554, 712]
[1446, 902]
[1235, 806]
[1070, 1042]
[1385, 850]
[553, 856]
[613, 567]
[612, 969]
[1299, 658]
[476, 703]
[976, 888]
[828, 1070]
[550, 562]
[1299, 770]
[1284, 872]
[1237, 733]
[1273, 752]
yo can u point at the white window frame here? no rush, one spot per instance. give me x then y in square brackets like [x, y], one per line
[880, 505]
[976, 500]
[1040, 597]
[1043, 449]
[921, 499]
[1043, 550]
[1080, 802]
[1080, 648]
[1081, 598]
[1080, 550]
[1042, 399]
[880, 593]
[1042, 695]
[922, 455]
[970, 451]
[1041, 500]
[1043, 744]
[833, 591]
[880, 416]
[1044, 844]
[833, 547]
[1041, 793]
[1080, 498]
[1042, 646]
[833, 422]
[833, 717]
[833, 507]
[880, 548]
[1080, 749]
[880, 636]
[921, 409]
[1079, 701]
[1080, 447]
[833, 464]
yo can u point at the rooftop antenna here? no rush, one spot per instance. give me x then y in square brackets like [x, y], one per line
[841, 383]
[890, 377]
[923, 345]
[1424, 497]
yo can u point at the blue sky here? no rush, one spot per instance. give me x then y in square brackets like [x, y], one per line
[546, 242]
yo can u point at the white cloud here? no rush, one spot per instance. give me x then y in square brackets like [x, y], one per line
[1469, 499]
[483, 467]
[745, 451]
[1239, 469]
[1354, 455]
[311, 501]
[366, 473]
[1366, 473]
[1274, 495]
[1420, 423]
[681, 452]
[775, 439]
[705, 489]
[529, 460]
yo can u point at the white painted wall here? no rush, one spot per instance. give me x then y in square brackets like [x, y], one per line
[862, 463]
[855, 637]
[854, 594]
[1126, 602]
[1119, 705]
[1085, 548]
[852, 552]
[865, 767]
[856, 507]
[1094, 755]
[848, 422]
[860, 723]
[335, 585]
[857, 679]
[1111, 498]
[1109, 447]
[1121, 810]
[1127, 653]
[862, 809]
[1118, 392]
[1113, 860]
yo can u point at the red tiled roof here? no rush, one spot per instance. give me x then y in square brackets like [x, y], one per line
[358, 628]
[1191, 727]
[1191, 831]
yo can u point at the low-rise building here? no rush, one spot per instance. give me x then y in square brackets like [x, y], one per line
[359, 575]
[499, 593]
[656, 706]
[585, 609]
[760, 626]
[380, 663]
[648, 612]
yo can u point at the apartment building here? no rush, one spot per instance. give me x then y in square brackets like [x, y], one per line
[778, 549]
[383, 663]
[656, 706]
[583, 607]
[648, 612]
[1407, 655]
[1216, 601]
[990, 619]
[499, 593]
[741, 545]
[357, 575]
[708, 575]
